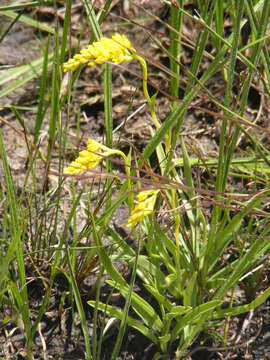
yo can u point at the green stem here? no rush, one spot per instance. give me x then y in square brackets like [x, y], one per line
[150, 101]
[108, 126]
[176, 234]
[176, 20]
[123, 323]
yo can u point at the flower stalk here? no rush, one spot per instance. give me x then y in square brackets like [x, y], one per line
[151, 101]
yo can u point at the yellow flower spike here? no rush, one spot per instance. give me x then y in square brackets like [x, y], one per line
[143, 195]
[75, 168]
[123, 40]
[117, 49]
[90, 158]
[71, 65]
[147, 200]
[94, 145]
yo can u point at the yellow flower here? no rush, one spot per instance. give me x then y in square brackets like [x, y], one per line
[117, 49]
[146, 203]
[90, 158]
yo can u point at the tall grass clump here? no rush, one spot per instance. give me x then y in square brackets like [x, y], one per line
[198, 241]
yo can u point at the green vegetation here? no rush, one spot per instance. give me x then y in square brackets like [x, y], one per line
[197, 242]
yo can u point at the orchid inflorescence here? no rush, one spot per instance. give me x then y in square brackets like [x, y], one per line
[145, 206]
[91, 157]
[117, 49]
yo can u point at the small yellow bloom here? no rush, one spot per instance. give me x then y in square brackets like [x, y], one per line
[91, 157]
[88, 159]
[146, 203]
[117, 49]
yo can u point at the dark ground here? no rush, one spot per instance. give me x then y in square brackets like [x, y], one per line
[249, 335]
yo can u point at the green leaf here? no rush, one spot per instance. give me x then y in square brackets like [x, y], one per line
[30, 71]
[28, 21]
[236, 310]
[161, 299]
[112, 311]
[177, 311]
[194, 316]
[149, 272]
[141, 307]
